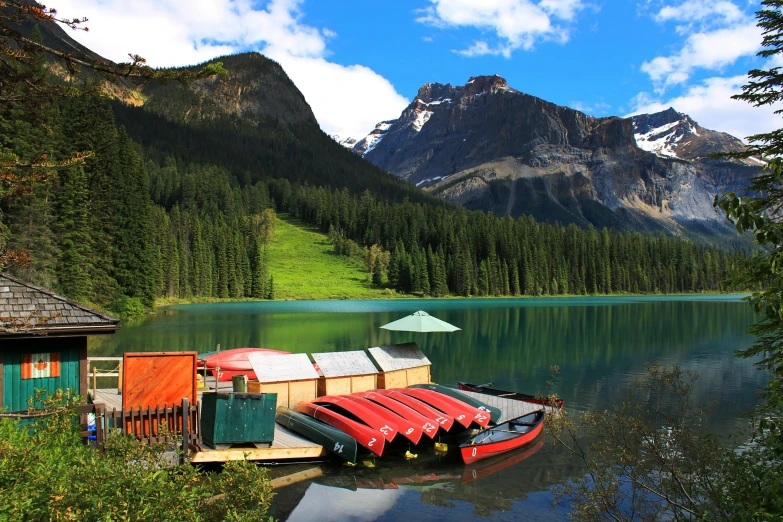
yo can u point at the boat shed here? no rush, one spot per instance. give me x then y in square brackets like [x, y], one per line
[43, 341]
[345, 373]
[401, 365]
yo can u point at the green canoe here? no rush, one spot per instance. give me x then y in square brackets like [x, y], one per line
[336, 441]
[494, 413]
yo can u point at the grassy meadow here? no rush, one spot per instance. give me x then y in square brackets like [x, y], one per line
[304, 266]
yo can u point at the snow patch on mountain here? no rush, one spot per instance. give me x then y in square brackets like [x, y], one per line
[421, 118]
[661, 140]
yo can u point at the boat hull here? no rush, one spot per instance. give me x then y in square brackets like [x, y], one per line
[336, 441]
[382, 424]
[406, 428]
[482, 447]
[437, 417]
[236, 358]
[463, 413]
[364, 435]
[524, 397]
[495, 414]
[428, 427]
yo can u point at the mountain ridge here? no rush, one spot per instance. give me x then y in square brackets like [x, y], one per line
[485, 145]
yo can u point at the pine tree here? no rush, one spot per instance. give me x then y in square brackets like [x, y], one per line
[270, 292]
[133, 255]
[73, 278]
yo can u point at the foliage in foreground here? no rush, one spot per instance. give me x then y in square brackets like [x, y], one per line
[646, 459]
[47, 473]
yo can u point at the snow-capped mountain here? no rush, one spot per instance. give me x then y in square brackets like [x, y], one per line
[485, 145]
[672, 134]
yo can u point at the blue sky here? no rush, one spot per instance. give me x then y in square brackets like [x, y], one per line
[359, 62]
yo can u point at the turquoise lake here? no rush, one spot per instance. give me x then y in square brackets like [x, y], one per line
[600, 345]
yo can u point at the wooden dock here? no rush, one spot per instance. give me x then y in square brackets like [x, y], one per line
[288, 445]
[511, 409]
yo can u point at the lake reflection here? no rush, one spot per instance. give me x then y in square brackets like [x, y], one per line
[599, 344]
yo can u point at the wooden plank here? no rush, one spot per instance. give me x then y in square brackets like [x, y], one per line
[341, 364]
[511, 409]
[158, 377]
[259, 454]
[398, 356]
[299, 476]
[278, 368]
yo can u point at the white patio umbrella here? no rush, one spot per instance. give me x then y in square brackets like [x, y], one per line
[420, 322]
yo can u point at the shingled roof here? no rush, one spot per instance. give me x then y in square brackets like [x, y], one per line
[27, 309]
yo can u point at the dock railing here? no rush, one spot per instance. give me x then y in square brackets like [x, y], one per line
[95, 373]
[182, 423]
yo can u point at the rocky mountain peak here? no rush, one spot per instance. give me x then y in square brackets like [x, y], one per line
[484, 84]
[672, 134]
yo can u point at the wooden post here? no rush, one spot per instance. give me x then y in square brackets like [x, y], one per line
[94, 383]
[217, 369]
[100, 435]
[119, 379]
[185, 430]
[83, 368]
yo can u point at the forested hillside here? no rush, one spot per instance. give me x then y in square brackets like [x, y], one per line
[176, 207]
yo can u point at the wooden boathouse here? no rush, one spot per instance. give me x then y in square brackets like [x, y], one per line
[43, 341]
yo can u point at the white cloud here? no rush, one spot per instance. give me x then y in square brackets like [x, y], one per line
[518, 24]
[716, 33]
[181, 32]
[699, 11]
[707, 50]
[710, 104]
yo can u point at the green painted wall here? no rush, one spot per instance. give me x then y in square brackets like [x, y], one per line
[16, 390]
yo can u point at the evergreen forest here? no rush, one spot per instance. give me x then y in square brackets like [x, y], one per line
[168, 209]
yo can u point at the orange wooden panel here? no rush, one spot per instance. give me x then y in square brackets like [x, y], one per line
[158, 378]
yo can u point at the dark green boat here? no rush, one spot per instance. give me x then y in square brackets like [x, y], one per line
[336, 441]
[494, 413]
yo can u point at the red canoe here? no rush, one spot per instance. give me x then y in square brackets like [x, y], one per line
[385, 426]
[462, 413]
[503, 437]
[440, 419]
[234, 362]
[427, 426]
[407, 429]
[364, 435]
[489, 467]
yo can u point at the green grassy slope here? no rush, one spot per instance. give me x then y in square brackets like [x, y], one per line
[304, 266]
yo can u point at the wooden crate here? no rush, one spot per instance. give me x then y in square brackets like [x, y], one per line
[289, 393]
[401, 365]
[404, 378]
[292, 377]
[343, 373]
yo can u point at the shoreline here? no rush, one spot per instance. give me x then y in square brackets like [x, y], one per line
[164, 303]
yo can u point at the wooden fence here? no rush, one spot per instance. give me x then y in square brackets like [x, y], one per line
[158, 424]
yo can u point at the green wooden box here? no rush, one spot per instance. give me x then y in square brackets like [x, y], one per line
[232, 418]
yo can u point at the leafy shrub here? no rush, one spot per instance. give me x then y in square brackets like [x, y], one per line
[126, 307]
[47, 473]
